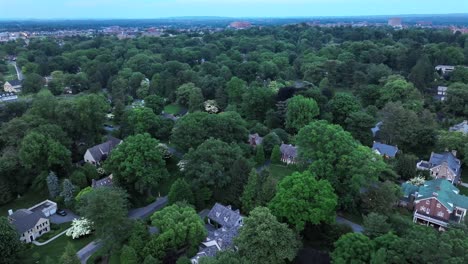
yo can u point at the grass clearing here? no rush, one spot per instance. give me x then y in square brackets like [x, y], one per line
[280, 171]
[172, 109]
[55, 229]
[24, 202]
[11, 74]
[54, 249]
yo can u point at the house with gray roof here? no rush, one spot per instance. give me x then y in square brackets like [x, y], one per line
[462, 127]
[385, 150]
[436, 203]
[255, 139]
[443, 165]
[223, 226]
[101, 152]
[104, 182]
[289, 154]
[29, 224]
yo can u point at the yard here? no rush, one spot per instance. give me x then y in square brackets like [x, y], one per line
[281, 171]
[172, 109]
[26, 201]
[11, 74]
[54, 249]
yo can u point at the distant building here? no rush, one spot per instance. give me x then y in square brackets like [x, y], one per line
[104, 182]
[395, 22]
[224, 224]
[444, 165]
[32, 223]
[436, 203]
[289, 154]
[13, 86]
[101, 152]
[240, 25]
[385, 150]
[441, 93]
[462, 127]
[444, 69]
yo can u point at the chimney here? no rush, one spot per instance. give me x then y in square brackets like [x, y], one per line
[10, 212]
[454, 153]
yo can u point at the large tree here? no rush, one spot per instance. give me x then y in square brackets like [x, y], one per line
[352, 248]
[264, 240]
[342, 105]
[300, 112]
[180, 191]
[10, 245]
[302, 199]
[107, 208]
[137, 164]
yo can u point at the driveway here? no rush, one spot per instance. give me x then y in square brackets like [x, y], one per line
[356, 228]
[57, 219]
[86, 252]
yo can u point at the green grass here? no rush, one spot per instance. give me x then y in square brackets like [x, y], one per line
[11, 74]
[172, 109]
[26, 201]
[55, 230]
[55, 249]
[280, 171]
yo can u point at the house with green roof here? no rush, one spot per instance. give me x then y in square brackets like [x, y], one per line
[436, 203]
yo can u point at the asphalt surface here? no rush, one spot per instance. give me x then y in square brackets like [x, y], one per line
[57, 219]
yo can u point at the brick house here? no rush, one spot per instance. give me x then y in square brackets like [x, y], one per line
[436, 203]
[444, 165]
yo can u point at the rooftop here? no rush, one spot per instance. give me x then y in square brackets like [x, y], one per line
[453, 163]
[441, 189]
[288, 150]
[384, 149]
[224, 215]
[101, 151]
[25, 219]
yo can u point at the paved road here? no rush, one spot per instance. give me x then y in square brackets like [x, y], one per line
[356, 228]
[18, 71]
[50, 240]
[139, 213]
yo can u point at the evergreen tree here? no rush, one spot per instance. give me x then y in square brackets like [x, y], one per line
[68, 192]
[53, 185]
[10, 245]
[276, 155]
[249, 196]
[260, 155]
[128, 255]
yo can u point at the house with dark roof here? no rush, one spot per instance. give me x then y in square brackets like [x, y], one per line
[13, 86]
[104, 182]
[462, 127]
[444, 165]
[289, 154]
[436, 203]
[29, 224]
[385, 150]
[255, 139]
[101, 152]
[223, 226]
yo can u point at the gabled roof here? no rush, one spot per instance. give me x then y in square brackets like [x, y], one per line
[408, 189]
[444, 191]
[256, 138]
[14, 82]
[224, 215]
[24, 220]
[462, 127]
[384, 149]
[453, 163]
[288, 150]
[376, 129]
[104, 182]
[101, 151]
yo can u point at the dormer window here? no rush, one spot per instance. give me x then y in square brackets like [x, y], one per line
[218, 214]
[226, 219]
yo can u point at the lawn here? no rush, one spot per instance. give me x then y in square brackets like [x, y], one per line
[281, 171]
[172, 109]
[11, 74]
[26, 201]
[55, 249]
[55, 229]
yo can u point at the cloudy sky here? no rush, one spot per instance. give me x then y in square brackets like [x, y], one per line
[43, 9]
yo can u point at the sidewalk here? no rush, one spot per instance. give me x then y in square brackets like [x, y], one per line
[50, 240]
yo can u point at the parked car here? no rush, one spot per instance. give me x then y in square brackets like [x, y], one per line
[61, 212]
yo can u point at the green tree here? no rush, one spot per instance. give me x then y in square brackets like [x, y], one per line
[196, 100]
[457, 99]
[10, 245]
[380, 197]
[405, 166]
[302, 199]
[251, 189]
[269, 142]
[79, 179]
[128, 255]
[359, 124]
[53, 185]
[235, 89]
[300, 112]
[180, 191]
[375, 225]
[263, 239]
[32, 83]
[68, 192]
[352, 248]
[422, 74]
[259, 155]
[69, 255]
[184, 92]
[107, 208]
[155, 103]
[276, 155]
[138, 238]
[137, 164]
[256, 102]
[140, 120]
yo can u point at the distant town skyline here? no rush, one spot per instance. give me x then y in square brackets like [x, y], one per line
[144, 9]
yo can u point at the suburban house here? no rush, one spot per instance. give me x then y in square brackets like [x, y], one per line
[387, 151]
[13, 86]
[223, 226]
[445, 166]
[441, 93]
[104, 182]
[436, 203]
[32, 223]
[255, 139]
[462, 127]
[444, 69]
[288, 154]
[99, 153]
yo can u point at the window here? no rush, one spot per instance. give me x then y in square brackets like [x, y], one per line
[423, 208]
[428, 202]
[438, 205]
[440, 214]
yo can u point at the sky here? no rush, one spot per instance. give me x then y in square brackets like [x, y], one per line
[98, 9]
